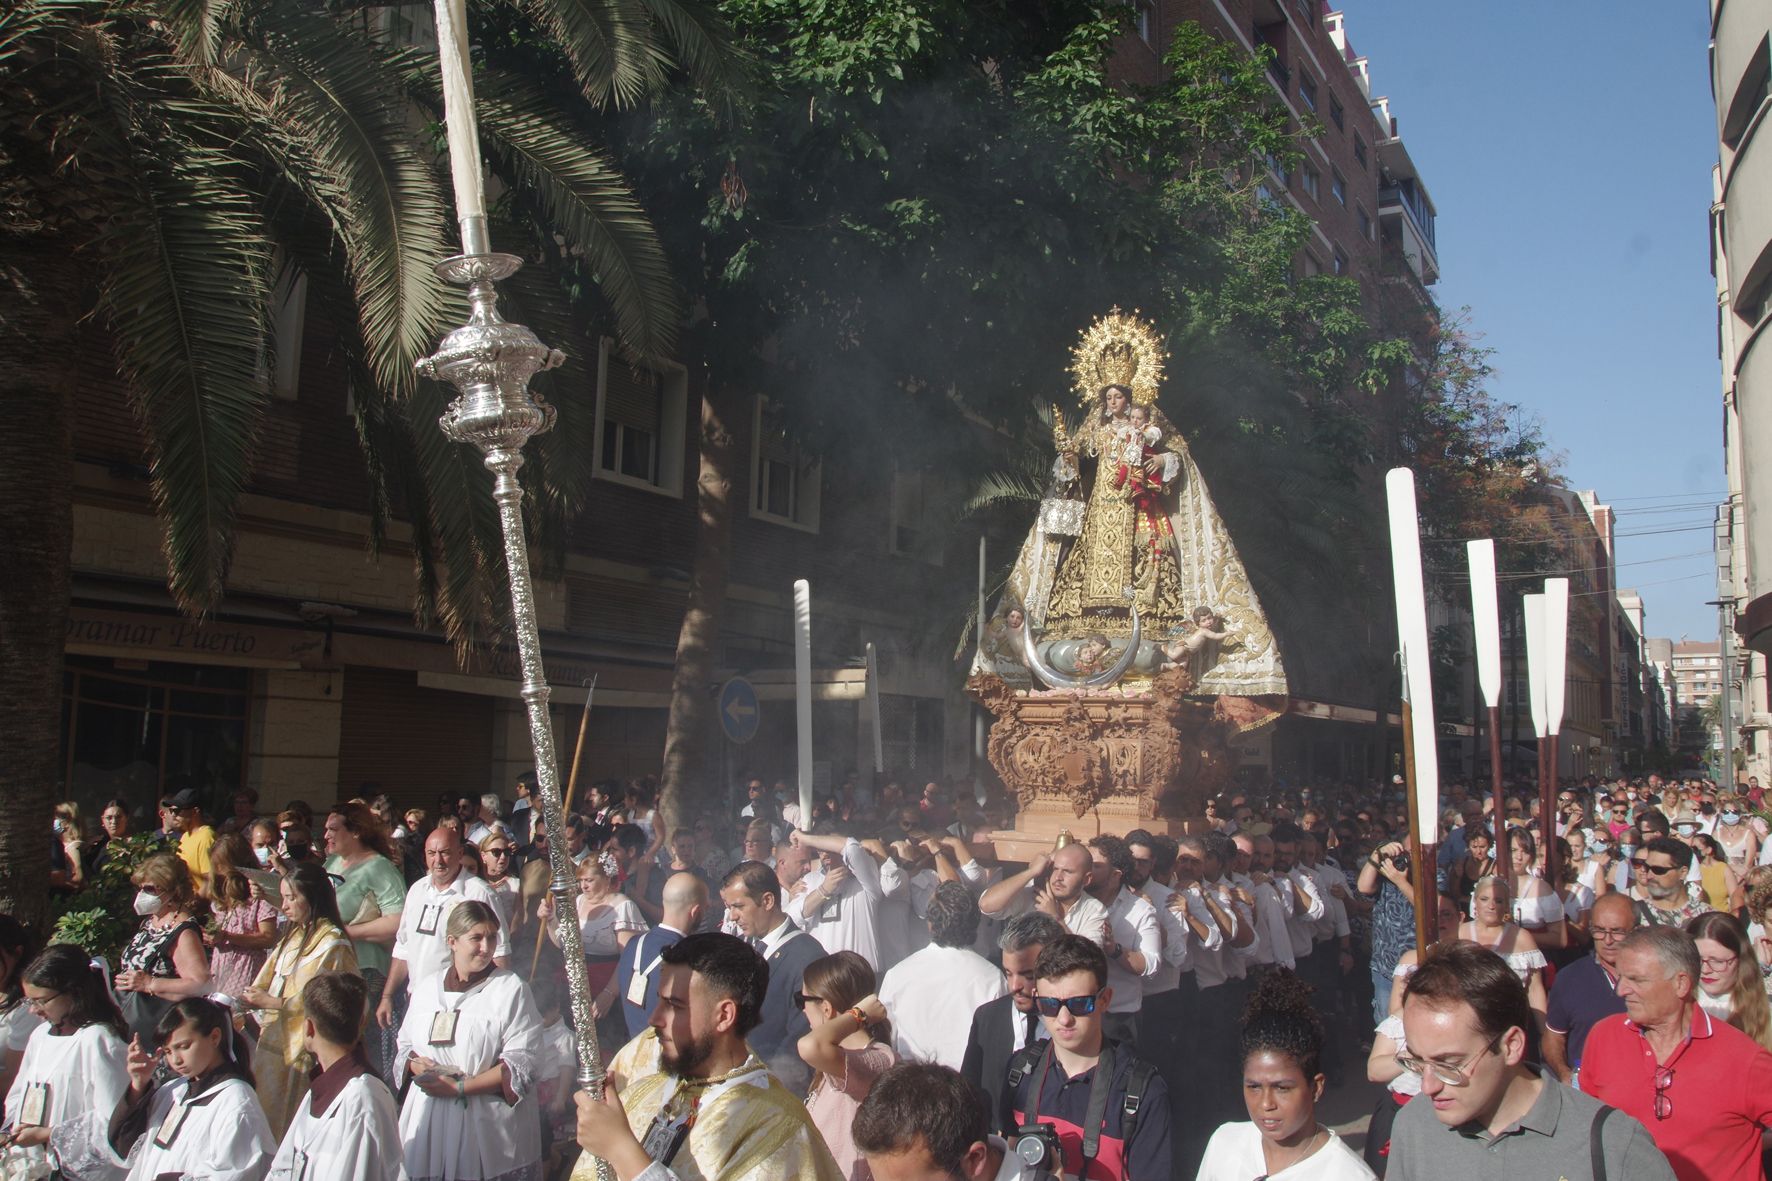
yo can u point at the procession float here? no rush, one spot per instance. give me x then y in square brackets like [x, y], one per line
[1127, 649]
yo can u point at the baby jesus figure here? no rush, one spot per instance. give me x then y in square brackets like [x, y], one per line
[1197, 651]
[1133, 475]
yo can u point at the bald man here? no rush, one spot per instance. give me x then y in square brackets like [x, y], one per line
[685, 901]
[421, 945]
[1054, 883]
[1586, 990]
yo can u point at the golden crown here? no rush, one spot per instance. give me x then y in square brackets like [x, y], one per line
[1118, 349]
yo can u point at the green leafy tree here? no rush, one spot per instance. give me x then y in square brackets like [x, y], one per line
[157, 159]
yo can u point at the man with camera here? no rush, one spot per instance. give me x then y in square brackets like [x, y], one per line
[1385, 878]
[1085, 1106]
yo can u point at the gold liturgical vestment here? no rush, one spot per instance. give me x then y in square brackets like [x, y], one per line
[755, 1130]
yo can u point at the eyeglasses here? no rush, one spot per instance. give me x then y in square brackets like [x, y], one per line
[1658, 870]
[1080, 1006]
[147, 889]
[801, 1000]
[36, 1003]
[1637, 863]
[1719, 963]
[1609, 934]
[1664, 1103]
[1452, 1076]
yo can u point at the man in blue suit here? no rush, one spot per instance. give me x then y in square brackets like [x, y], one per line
[685, 899]
[752, 895]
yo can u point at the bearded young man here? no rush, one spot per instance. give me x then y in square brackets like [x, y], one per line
[710, 1109]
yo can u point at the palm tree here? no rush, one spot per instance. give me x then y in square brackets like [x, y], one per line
[160, 160]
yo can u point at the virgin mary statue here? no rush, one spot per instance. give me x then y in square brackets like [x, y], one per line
[1129, 523]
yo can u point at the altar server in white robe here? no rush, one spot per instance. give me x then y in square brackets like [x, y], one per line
[467, 1056]
[347, 1127]
[73, 1062]
[206, 1123]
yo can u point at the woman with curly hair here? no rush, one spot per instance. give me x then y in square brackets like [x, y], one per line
[1282, 1084]
[1729, 982]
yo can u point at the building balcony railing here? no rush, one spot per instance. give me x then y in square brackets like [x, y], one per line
[1408, 198]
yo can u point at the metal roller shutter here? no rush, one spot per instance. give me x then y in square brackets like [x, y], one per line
[416, 743]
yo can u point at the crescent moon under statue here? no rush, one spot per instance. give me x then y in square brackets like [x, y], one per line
[1107, 676]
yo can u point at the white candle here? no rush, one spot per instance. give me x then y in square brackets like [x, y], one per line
[874, 711]
[458, 109]
[1399, 487]
[1533, 606]
[1486, 616]
[803, 693]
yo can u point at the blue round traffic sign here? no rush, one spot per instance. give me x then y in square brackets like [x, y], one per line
[738, 710]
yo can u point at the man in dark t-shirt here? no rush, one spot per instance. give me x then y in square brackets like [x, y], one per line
[1586, 991]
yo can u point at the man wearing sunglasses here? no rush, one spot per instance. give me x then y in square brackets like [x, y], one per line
[1484, 1111]
[1702, 1087]
[1666, 900]
[1056, 1084]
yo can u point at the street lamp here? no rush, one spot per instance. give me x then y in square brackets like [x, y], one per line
[491, 362]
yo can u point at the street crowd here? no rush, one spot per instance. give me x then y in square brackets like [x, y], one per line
[867, 992]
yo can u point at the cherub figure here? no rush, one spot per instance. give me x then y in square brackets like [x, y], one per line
[1092, 654]
[1197, 650]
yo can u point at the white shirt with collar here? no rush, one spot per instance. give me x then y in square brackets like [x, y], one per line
[1209, 956]
[1270, 921]
[1133, 921]
[851, 920]
[1308, 908]
[423, 936]
[931, 997]
[1175, 942]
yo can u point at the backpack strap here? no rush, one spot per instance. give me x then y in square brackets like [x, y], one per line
[1596, 1147]
[1137, 1083]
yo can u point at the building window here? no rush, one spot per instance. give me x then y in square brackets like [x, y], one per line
[1145, 18]
[1340, 261]
[1310, 180]
[130, 726]
[915, 528]
[640, 420]
[1265, 195]
[1338, 185]
[1337, 113]
[1360, 151]
[786, 485]
[289, 310]
[1307, 91]
[1278, 169]
[1365, 225]
[1309, 265]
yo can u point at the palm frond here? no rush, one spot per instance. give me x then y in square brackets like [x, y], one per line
[609, 43]
[704, 49]
[185, 295]
[197, 27]
[364, 164]
[580, 194]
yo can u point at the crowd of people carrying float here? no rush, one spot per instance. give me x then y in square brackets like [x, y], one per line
[868, 993]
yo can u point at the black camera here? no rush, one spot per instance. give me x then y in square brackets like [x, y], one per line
[1036, 1146]
[1400, 862]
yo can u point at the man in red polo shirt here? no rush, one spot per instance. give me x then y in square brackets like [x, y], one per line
[1702, 1088]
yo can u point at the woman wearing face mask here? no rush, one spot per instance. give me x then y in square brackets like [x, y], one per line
[244, 926]
[1722, 886]
[1741, 844]
[1282, 1084]
[166, 961]
[204, 1123]
[18, 1020]
[73, 1064]
[468, 1056]
[313, 941]
[1730, 984]
[67, 857]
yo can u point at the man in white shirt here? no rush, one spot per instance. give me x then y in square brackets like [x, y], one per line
[1308, 907]
[843, 910]
[922, 1121]
[486, 820]
[797, 875]
[1253, 869]
[1134, 946]
[1056, 883]
[421, 945]
[931, 995]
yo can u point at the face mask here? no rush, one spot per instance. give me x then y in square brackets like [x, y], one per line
[1632, 795]
[1731, 818]
[264, 854]
[147, 904]
[61, 826]
[1597, 849]
[1687, 830]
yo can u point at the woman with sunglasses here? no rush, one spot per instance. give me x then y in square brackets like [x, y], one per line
[848, 1047]
[1730, 985]
[166, 961]
[497, 853]
[1282, 1084]
[73, 1063]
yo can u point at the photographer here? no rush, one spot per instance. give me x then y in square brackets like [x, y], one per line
[1093, 1103]
[1385, 878]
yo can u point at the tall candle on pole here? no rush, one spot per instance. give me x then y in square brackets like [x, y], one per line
[803, 694]
[490, 362]
[874, 711]
[1422, 767]
[1556, 652]
[1486, 624]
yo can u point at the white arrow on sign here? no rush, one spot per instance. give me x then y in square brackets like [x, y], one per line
[737, 711]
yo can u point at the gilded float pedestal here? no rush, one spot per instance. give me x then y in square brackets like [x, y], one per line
[1104, 761]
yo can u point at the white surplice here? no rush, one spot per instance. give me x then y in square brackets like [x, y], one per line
[83, 1071]
[223, 1136]
[483, 1138]
[356, 1139]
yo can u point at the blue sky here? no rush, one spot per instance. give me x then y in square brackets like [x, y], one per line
[1568, 149]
